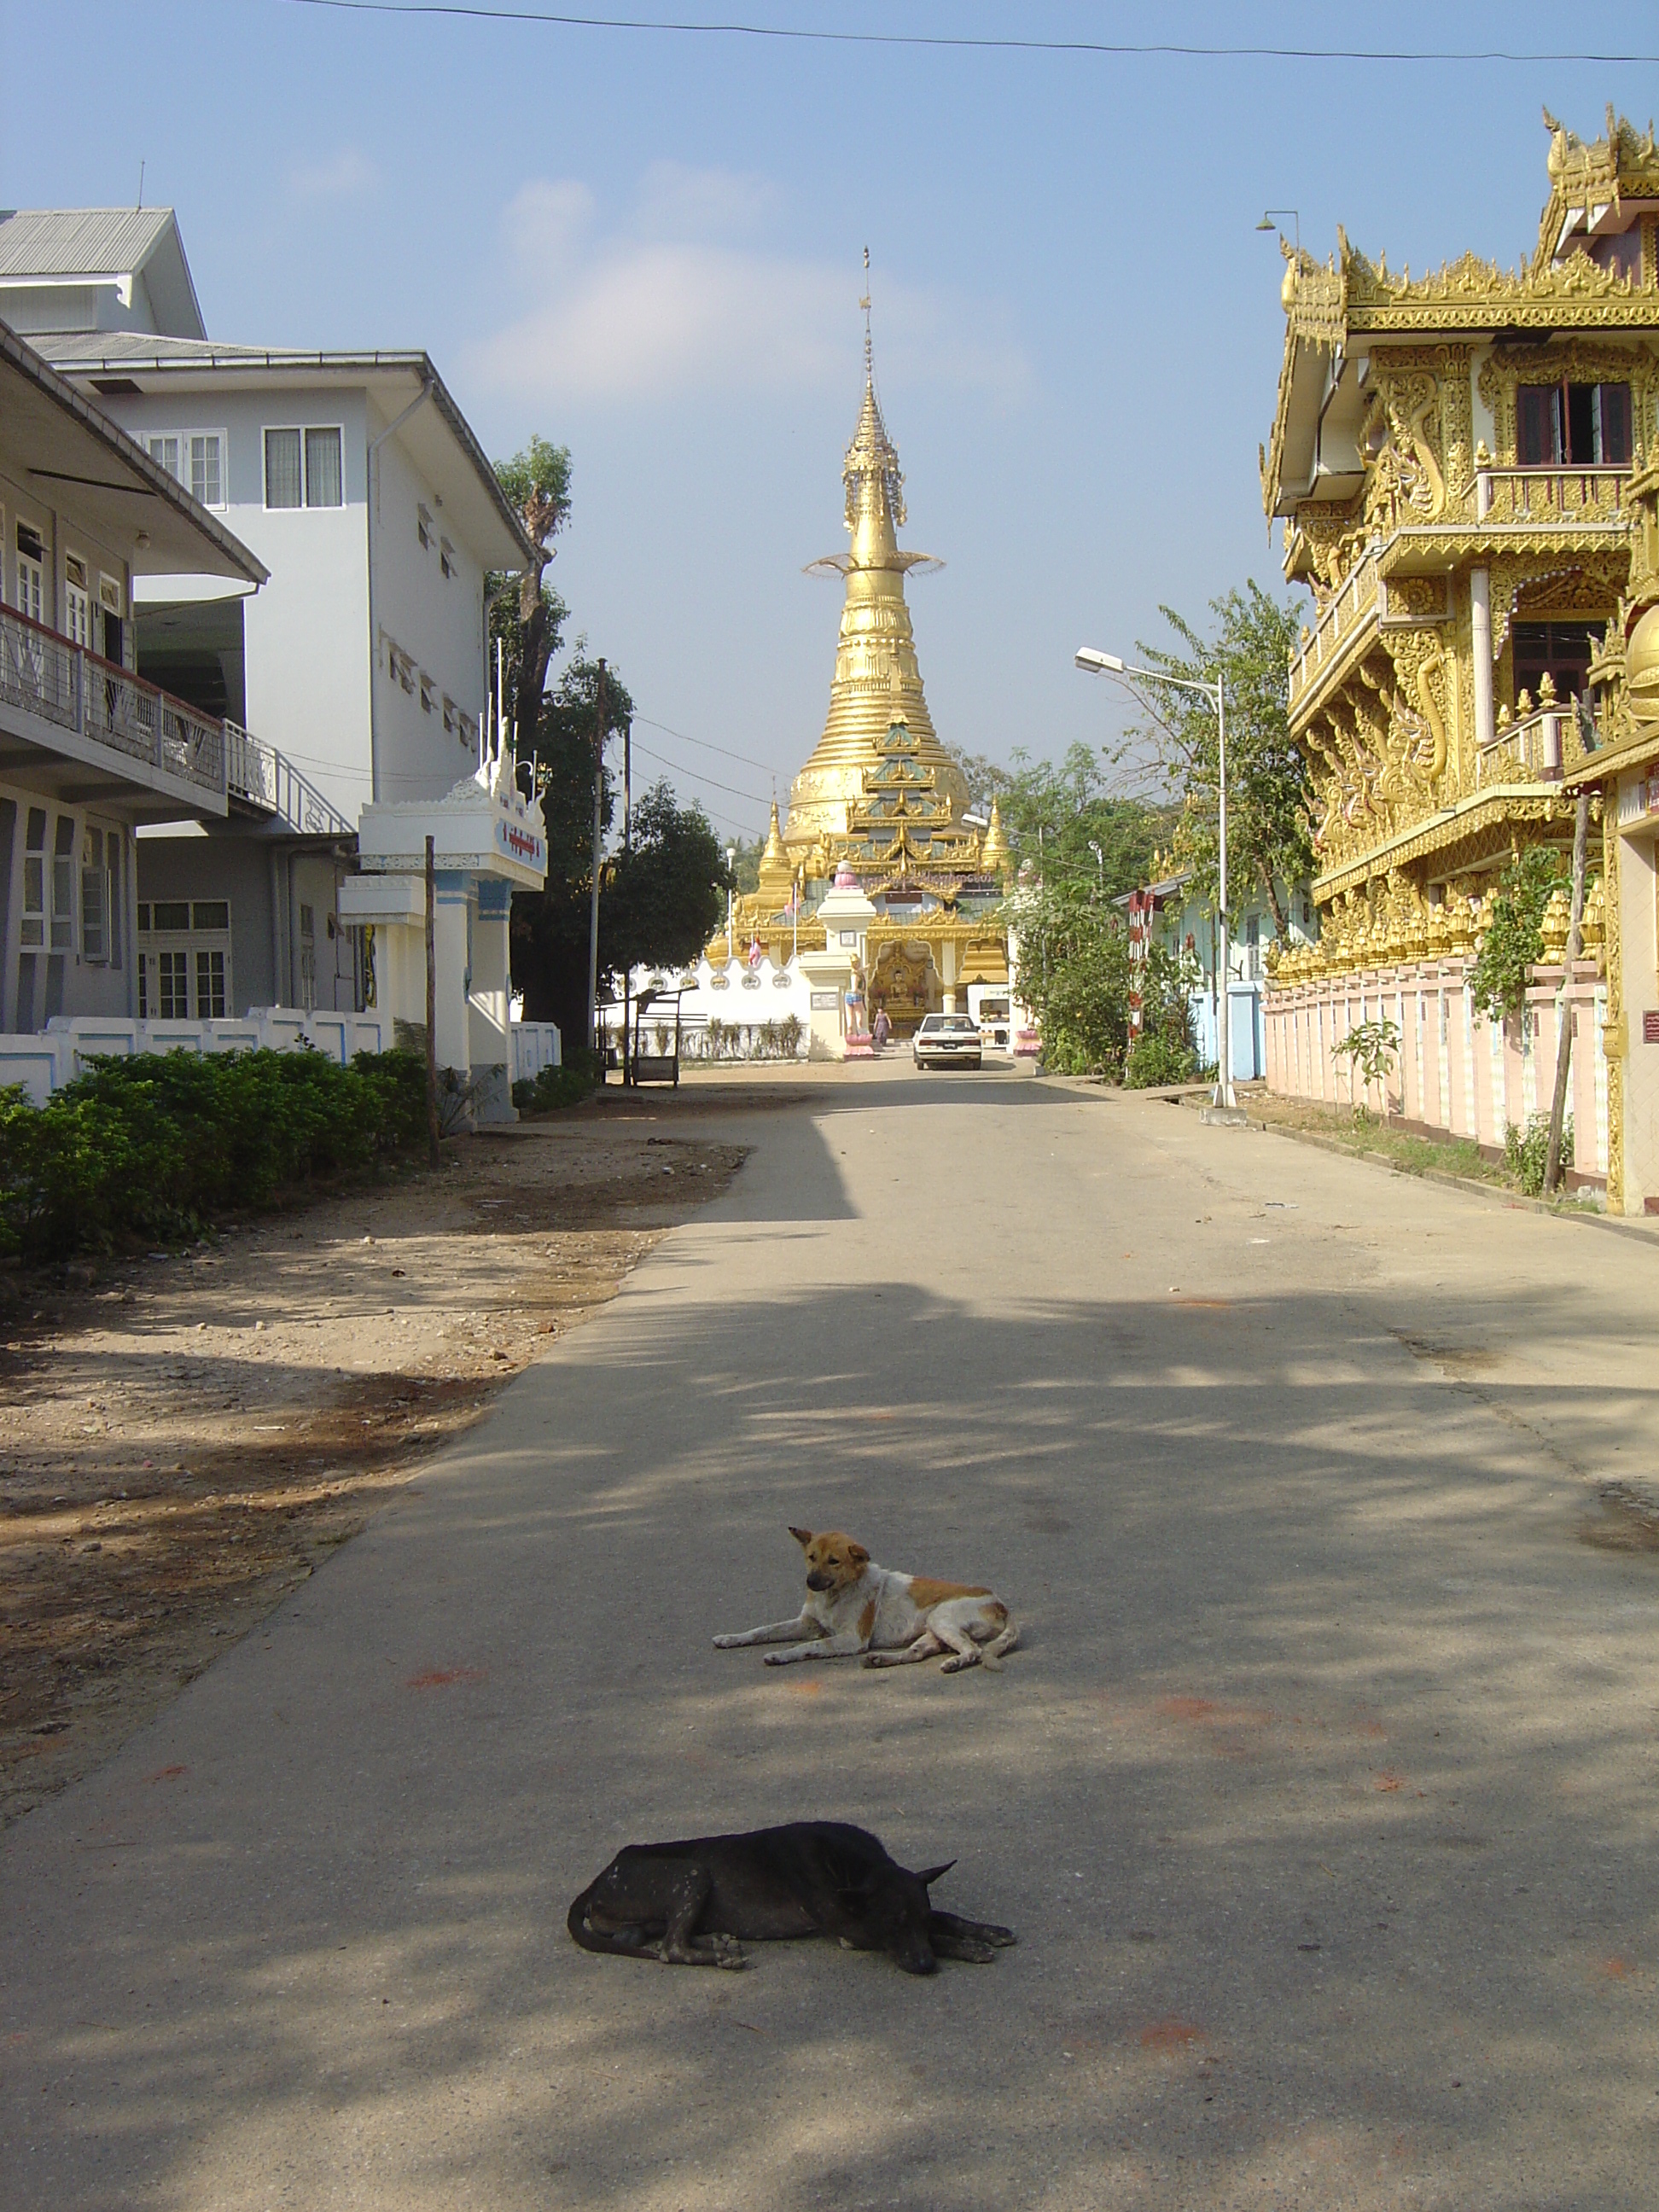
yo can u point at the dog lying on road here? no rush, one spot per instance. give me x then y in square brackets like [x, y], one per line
[694, 1903]
[852, 1606]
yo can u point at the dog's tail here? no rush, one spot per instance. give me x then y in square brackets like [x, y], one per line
[1005, 1640]
[622, 1943]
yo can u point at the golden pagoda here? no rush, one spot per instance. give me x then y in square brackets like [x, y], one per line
[877, 680]
[881, 801]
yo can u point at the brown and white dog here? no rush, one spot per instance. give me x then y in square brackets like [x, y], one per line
[855, 1606]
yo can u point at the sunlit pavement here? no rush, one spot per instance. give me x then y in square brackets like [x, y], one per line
[1321, 1792]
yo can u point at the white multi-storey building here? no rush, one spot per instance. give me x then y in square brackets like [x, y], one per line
[89, 753]
[363, 665]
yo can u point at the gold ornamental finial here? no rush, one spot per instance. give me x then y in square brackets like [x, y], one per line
[869, 351]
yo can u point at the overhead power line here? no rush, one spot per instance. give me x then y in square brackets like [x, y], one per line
[680, 768]
[706, 744]
[1193, 50]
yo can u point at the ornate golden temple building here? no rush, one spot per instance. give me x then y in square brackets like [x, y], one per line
[881, 800]
[1467, 466]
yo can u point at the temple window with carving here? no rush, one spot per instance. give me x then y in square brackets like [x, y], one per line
[1583, 425]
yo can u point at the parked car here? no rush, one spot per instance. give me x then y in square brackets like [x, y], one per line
[947, 1041]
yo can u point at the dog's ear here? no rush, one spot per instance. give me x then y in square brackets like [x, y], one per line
[802, 1536]
[929, 1875]
[858, 1555]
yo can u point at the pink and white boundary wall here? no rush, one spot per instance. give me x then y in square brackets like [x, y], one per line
[1456, 1073]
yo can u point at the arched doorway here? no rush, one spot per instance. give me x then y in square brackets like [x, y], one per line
[907, 983]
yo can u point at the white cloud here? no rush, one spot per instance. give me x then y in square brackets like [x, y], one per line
[674, 201]
[335, 176]
[681, 296]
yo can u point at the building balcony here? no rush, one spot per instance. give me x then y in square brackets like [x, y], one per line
[1530, 750]
[262, 782]
[64, 711]
[1531, 499]
[1352, 609]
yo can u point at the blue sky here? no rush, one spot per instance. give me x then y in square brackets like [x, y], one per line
[649, 247]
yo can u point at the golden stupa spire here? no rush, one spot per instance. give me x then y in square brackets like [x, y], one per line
[877, 680]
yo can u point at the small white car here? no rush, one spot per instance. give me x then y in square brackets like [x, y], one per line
[947, 1041]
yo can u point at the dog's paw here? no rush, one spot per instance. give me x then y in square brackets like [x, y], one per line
[727, 1643]
[775, 1659]
[958, 1661]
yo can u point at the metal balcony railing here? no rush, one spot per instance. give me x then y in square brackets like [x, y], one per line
[261, 776]
[62, 684]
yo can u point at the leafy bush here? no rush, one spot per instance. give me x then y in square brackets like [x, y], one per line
[555, 1087]
[1156, 1059]
[1525, 1150]
[1370, 1050]
[1498, 980]
[153, 1145]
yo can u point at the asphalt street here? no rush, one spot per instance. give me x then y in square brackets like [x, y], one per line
[1321, 1792]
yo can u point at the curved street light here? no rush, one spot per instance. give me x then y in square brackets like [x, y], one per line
[1095, 663]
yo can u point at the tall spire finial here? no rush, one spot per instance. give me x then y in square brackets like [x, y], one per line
[869, 358]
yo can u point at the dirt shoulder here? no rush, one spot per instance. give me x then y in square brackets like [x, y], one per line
[183, 1436]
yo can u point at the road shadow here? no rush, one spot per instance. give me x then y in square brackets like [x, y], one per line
[1313, 1922]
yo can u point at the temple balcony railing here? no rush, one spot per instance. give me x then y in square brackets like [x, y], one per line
[1527, 751]
[1350, 607]
[1534, 498]
[63, 700]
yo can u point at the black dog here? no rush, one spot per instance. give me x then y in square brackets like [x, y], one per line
[689, 1903]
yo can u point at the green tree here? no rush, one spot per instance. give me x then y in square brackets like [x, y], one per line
[1054, 816]
[1074, 974]
[549, 928]
[662, 897]
[1267, 777]
[536, 482]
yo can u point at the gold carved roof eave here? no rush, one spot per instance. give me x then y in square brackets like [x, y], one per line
[1435, 547]
[892, 929]
[1500, 317]
[1500, 804]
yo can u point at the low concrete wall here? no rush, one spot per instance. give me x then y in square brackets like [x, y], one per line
[1455, 1072]
[66, 1048]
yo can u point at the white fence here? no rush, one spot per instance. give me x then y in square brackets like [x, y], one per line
[68, 1046]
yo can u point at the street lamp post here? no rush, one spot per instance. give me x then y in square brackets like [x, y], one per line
[1100, 865]
[1093, 663]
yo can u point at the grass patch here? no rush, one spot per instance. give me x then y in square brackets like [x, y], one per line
[1367, 1136]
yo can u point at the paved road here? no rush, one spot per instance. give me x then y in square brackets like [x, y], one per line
[1323, 1793]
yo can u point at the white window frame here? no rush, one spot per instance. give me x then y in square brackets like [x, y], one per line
[77, 601]
[302, 429]
[194, 945]
[182, 474]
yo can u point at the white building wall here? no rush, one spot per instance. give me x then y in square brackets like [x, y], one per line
[435, 621]
[306, 632]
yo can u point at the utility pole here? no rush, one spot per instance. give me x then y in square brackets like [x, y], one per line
[435, 1151]
[600, 705]
[1564, 1013]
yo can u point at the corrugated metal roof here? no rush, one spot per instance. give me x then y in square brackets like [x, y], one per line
[79, 241]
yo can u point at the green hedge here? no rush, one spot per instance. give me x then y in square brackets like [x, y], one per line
[153, 1146]
[559, 1086]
